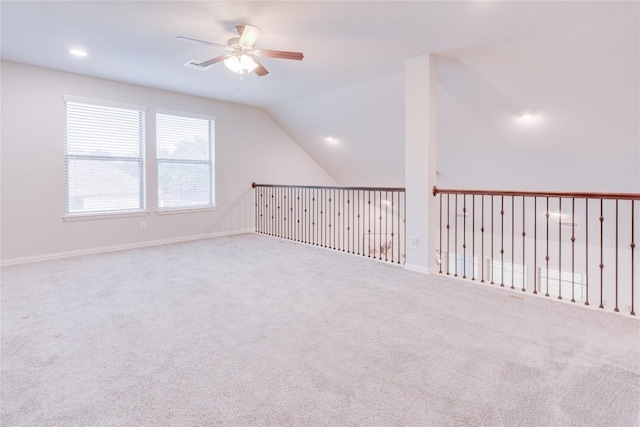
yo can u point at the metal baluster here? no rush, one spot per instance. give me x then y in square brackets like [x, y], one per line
[464, 236]
[633, 247]
[441, 257]
[513, 227]
[560, 247]
[573, 248]
[586, 246]
[492, 235]
[386, 226]
[601, 251]
[535, 245]
[616, 307]
[369, 223]
[482, 242]
[314, 217]
[393, 250]
[524, 234]
[455, 233]
[502, 241]
[473, 236]
[404, 223]
[359, 200]
[339, 225]
[380, 229]
[546, 294]
[448, 232]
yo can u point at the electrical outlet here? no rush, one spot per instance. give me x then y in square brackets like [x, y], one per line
[143, 225]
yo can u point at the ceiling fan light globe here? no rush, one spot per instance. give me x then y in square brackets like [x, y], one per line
[233, 63]
[240, 64]
[247, 63]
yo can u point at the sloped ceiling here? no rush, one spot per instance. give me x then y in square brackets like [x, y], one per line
[495, 58]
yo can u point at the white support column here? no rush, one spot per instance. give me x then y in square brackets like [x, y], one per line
[420, 162]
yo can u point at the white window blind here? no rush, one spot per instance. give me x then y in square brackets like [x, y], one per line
[104, 158]
[462, 264]
[503, 272]
[562, 283]
[185, 161]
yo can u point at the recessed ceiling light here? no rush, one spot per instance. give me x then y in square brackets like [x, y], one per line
[528, 115]
[78, 52]
[331, 139]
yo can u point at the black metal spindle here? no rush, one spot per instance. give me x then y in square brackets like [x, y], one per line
[448, 233]
[492, 235]
[601, 252]
[386, 225]
[560, 248]
[455, 233]
[502, 241]
[393, 246]
[524, 234]
[573, 248]
[441, 255]
[473, 236]
[633, 247]
[546, 294]
[314, 216]
[482, 242]
[380, 244]
[586, 248]
[616, 309]
[359, 200]
[339, 225]
[369, 224]
[513, 214]
[535, 245]
[464, 236]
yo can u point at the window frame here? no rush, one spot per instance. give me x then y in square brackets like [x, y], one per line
[141, 160]
[161, 210]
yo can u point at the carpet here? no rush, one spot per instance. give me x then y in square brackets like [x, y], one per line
[253, 330]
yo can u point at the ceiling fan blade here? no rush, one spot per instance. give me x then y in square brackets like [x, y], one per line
[213, 61]
[249, 36]
[260, 70]
[281, 54]
[201, 41]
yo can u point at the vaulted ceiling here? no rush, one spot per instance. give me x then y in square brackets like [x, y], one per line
[350, 83]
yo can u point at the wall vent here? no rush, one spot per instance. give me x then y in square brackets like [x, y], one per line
[569, 224]
[194, 63]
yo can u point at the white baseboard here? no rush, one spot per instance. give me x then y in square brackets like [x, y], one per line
[419, 268]
[103, 249]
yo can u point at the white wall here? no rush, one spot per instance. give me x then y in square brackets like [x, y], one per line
[368, 121]
[582, 80]
[249, 147]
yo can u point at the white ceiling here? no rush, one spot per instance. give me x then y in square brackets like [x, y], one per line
[344, 42]
[495, 58]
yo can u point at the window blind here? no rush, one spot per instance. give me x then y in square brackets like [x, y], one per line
[104, 158]
[503, 272]
[564, 283]
[185, 161]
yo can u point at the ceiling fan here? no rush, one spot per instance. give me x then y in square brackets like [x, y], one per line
[241, 57]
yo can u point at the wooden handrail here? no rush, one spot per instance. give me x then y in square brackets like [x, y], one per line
[563, 194]
[400, 189]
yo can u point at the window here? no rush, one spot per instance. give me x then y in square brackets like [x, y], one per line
[461, 264]
[562, 283]
[104, 158]
[185, 161]
[508, 274]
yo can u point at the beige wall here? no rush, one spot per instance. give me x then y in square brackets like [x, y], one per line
[249, 147]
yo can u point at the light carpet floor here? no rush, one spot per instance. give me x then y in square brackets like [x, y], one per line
[253, 330]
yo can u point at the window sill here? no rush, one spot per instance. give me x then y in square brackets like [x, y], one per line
[174, 211]
[102, 215]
